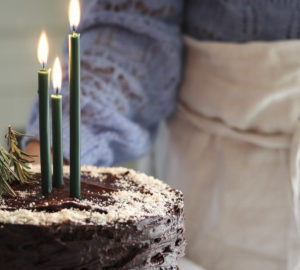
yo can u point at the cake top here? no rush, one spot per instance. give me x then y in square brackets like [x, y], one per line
[109, 196]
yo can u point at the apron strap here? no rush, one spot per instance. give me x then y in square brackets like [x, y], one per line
[295, 174]
[216, 126]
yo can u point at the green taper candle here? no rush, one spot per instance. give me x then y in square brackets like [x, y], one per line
[43, 91]
[57, 140]
[57, 126]
[74, 81]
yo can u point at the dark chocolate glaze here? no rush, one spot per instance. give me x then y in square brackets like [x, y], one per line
[149, 243]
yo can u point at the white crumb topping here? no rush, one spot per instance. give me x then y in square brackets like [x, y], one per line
[137, 197]
[24, 194]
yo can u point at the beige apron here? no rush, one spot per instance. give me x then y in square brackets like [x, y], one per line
[232, 149]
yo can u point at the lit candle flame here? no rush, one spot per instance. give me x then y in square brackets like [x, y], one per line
[57, 75]
[43, 49]
[74, 14]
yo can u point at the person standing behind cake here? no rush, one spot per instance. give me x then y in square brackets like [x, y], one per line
[232, 106]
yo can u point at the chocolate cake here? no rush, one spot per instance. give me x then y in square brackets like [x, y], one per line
[124, 220]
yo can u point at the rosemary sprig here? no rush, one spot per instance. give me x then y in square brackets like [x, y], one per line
[19, 159]
[7, 175]
[14, 165]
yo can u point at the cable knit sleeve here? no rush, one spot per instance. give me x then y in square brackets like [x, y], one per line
[130, 71]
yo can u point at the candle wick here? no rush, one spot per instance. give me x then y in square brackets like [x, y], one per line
[57, 91]
[74, 28]
[43, 65]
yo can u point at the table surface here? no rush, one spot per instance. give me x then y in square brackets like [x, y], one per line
[185, 264]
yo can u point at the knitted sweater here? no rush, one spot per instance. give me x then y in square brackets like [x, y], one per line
[131, 60]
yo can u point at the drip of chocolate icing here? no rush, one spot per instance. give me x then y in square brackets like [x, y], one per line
[92, 190]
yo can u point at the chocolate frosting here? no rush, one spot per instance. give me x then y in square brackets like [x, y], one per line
[146, 242]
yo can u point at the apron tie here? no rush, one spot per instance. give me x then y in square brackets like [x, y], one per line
[295, 174]
[216, 126]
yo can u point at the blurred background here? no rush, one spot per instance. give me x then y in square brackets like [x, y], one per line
[21, 23]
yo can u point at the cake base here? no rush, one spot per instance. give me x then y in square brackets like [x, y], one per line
[65, 233]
